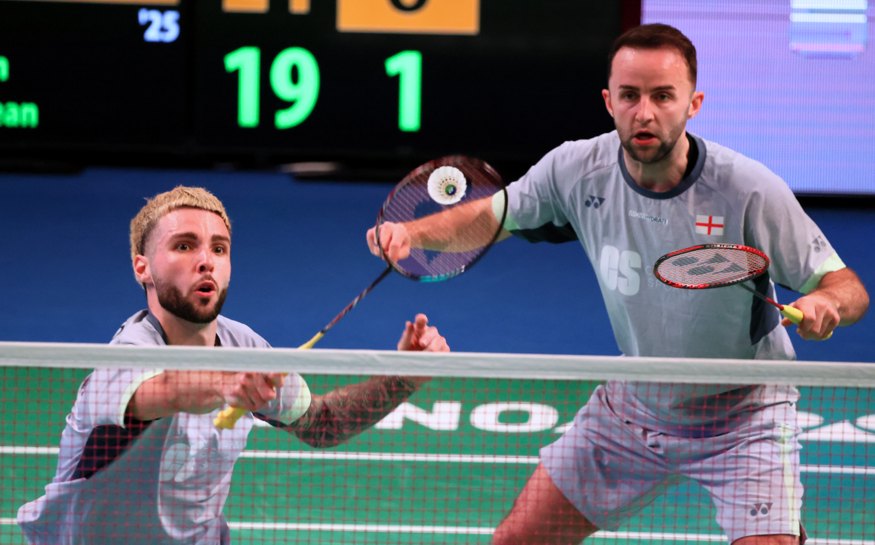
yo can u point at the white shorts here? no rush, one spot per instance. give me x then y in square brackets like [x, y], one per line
[610, 468]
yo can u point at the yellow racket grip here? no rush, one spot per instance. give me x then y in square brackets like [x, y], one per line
[309, 344]
[795, 315]
[228, 417]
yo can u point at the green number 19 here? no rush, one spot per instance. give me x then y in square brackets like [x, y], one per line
[302, 91]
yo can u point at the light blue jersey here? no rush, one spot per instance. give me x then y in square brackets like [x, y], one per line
[162, 482]
[582, 190]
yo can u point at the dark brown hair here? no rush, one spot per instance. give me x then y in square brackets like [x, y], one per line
[656, 36]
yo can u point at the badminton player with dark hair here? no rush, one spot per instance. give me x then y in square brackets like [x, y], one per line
[628, 197]
[140, 460]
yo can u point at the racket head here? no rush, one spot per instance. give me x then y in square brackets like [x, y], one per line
[710, 266]
[413, 199]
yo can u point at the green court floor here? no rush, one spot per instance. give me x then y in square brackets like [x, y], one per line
[447, 467]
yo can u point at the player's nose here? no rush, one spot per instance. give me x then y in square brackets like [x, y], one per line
[205, 262]
[644, 112]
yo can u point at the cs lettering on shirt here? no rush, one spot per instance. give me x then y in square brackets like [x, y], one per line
[620, 270]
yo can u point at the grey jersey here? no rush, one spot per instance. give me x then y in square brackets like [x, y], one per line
[123, 480]
[582, 190]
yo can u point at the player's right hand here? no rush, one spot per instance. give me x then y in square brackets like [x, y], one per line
[250, 391]
[820, 316]
[394, 239]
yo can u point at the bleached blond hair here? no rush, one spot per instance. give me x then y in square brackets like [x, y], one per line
[164, 203]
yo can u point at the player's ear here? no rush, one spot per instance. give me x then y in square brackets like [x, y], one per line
[606, 95]
[142, 271]
[695, 104]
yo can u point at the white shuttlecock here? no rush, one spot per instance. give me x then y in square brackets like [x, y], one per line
[447, 185]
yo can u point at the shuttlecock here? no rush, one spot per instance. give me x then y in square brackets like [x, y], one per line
[447, 185]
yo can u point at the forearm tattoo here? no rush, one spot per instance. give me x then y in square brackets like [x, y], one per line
[345, 412]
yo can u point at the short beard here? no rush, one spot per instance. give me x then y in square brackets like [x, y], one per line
[662, 152]
[171, 299]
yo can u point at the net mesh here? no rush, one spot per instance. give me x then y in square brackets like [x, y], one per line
[444, 467]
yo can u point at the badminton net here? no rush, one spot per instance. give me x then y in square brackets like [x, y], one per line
[447, 464]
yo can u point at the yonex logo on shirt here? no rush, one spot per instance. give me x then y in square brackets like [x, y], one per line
[594, 201]
[760, 509]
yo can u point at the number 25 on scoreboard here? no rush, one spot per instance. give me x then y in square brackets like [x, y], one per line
[302, 92]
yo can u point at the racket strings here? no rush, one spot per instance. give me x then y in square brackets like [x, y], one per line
[465, 241]
[707, 266]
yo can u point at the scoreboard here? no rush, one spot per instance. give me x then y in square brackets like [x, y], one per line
[92, 76]
[304, 80]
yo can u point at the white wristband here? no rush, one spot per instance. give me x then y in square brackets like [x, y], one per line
[292, 401]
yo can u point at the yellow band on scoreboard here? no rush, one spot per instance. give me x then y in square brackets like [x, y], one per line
[420, 17]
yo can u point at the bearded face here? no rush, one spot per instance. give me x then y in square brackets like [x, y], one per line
[191, 307]
[187, 267]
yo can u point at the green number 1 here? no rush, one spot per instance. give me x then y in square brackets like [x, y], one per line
[246, 60]
[407, 65]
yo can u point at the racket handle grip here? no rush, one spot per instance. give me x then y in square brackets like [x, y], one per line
[309, 344]
[228, 417]
[792, 313]
[795, 315]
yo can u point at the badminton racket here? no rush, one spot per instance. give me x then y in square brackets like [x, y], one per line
[718, 265]
[428, 190]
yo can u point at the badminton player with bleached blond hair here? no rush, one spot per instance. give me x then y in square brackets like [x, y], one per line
[140, 460]
[629, 197]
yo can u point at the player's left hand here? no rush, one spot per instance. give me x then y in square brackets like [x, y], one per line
[420, 337]
[821, 317]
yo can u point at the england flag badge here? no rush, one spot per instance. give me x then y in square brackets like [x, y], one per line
[709, 225]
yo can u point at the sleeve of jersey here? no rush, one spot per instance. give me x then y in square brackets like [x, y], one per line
[291, 403]
[534, 205]
[800, 253]
[104, 396]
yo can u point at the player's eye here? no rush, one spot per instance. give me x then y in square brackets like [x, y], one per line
[220, 250]
[183, 247]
